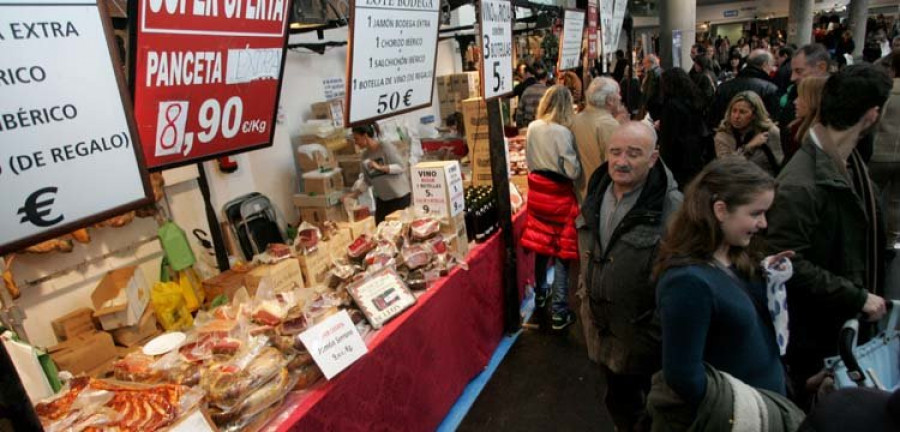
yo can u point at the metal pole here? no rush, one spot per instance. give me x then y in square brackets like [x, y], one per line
[500, 179]
[215, 230]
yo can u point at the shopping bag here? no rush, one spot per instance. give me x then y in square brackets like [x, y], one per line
[176, 248]
[171, 309]
[187, 280]
[874, 364]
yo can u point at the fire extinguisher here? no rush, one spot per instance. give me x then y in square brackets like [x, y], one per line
[227, 164]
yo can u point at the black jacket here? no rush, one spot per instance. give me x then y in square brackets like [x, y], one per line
[783, 77]
[618, 279]
[685, 142]
[750, 78]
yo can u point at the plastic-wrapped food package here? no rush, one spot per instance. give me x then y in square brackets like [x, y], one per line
[227, 383]
[136, 367]
[390, 231]
[307, 376]
[260, 398]
[360, 247]
[424, 228]
[416, 255]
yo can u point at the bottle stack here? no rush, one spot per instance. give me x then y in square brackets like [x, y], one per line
[482, 219]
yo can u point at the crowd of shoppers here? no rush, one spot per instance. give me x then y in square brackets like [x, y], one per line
[676, 292]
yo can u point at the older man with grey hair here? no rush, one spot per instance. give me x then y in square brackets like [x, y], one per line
[593, 126]
[628, 203]
[754, 77]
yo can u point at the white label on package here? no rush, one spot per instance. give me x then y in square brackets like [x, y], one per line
[334, 343]
[392, 51]
[570, 47]
[67, 153]
[496, 39]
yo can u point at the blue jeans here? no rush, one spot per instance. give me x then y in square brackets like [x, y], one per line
[559, 291]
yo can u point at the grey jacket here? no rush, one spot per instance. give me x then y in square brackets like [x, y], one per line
[621, 292]
[887, 133]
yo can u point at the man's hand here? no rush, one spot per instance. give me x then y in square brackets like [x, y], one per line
[875, 308]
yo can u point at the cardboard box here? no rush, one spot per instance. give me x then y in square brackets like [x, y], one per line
[437, 188]
[226, 283]
[521, 183]
[475, 119]
[451, 226]
[337, 246]
[459, 243]
[318, 215]
[77, 322]
[315, 157]
[365, 226]
[84, 353]
[132, 335]
[317, 200]
[351, 167]
[334, 140]
[121, 297]
[332, 109]
[315, 266]
[323, 182]
[285, 275]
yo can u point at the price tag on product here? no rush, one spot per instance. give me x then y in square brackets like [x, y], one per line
[197, 63]
[393, 46]
[496, 39]
[334, 344]
[570, 42]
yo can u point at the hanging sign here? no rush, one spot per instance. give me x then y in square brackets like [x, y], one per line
[618, 16]
[593, 47]
[69, 152]
[393, 46]
[496, 37]
[207, 76]
[570, 42]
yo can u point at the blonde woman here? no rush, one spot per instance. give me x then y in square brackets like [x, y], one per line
[748, 131]
[552, 208]
[809, 97]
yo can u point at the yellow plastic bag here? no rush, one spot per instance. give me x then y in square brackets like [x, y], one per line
[169, 304]
[192, 296]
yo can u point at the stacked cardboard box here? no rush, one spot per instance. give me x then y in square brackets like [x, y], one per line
[82, 348]
[351, 167]
[454, 89]
[120, 298]
[322, 185]
[331, 110]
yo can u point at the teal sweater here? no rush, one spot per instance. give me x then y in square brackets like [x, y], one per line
[707, 317]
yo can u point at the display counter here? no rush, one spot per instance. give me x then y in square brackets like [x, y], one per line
[419, 363]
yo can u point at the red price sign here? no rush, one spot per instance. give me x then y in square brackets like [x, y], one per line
[592, 29]
[207, 77]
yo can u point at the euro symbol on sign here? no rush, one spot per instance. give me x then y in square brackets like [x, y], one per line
[406, 97]
[32, 210]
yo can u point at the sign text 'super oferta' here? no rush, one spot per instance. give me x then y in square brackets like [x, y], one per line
[68, 150]
[207, 76]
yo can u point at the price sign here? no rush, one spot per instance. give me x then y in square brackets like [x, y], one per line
[496, 40]
[207, 76]
[334, 343]
[570, 42]
[69, 153]
[393, 46]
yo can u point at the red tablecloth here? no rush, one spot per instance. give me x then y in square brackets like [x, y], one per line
[420, 362]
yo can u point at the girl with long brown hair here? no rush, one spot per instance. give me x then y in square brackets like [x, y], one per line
[710, 290]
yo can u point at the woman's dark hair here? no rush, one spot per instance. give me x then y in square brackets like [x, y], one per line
[370, 130]
[694, 233]
[676, 84]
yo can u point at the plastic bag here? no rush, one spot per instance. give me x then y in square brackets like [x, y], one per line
[169, 304]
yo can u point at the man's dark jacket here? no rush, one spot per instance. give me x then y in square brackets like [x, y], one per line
[749, 78]
[817, 214]
[618, 280]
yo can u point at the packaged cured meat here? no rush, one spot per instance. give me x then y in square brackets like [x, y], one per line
[343, 270]
[438, 244]
[258, 400]
[293, 325]
[416, 280]
[423, 228]
[226, 383]
[308, 237]
[360, 247]
[278, 250]
[136, 367]
[415, 255]
[307, 376]
[391, 231]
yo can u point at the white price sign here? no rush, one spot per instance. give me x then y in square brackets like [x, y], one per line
[496, 40]
[570, 43]
[393, 49]
[334, 344]
[68, 150]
